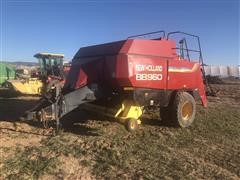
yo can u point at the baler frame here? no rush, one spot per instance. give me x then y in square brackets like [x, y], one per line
[191, 50]
[208, 87]
[150, 33]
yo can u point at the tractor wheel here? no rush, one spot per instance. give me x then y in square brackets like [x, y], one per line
[183, 110]
[132, 125]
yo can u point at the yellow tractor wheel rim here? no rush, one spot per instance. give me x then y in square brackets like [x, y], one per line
[132, 126]
[187, 111]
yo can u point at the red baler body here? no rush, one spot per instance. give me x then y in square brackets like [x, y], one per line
[151, 64]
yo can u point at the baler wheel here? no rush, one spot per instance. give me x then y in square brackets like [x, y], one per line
[132, 124]
[183, 110]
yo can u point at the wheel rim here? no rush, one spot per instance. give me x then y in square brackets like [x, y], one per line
[132, 125]
[187, 111]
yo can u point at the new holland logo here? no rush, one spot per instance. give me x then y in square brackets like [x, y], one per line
[148, 72]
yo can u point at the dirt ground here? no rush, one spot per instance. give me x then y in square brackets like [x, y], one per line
[96, 147]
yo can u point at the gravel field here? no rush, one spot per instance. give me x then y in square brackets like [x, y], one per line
[96, 147]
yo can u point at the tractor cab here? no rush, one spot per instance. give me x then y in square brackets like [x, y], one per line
[51, 65]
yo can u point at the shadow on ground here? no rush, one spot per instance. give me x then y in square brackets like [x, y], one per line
[75, 122]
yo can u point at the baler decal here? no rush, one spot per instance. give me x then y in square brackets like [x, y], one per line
[183, 69]
[148, 72]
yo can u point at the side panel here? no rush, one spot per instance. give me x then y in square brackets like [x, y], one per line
[183, 74]
[186, 75]
[147, 71]
[144, 47]
[98, 73]
[122, 70]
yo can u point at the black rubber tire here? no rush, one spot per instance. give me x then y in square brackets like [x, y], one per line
[181, 100]
[132, 125]
[173, 115]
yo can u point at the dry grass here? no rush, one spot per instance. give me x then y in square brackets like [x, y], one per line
[93, 149]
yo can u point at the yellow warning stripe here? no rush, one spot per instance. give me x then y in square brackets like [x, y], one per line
[183, 69]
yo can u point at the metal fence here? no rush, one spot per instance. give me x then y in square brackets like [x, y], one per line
[222, 71]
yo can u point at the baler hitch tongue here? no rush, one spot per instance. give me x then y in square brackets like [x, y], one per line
[50, 112]
[28, 116]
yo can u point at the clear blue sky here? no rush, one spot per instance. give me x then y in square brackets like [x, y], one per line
[62, 26]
